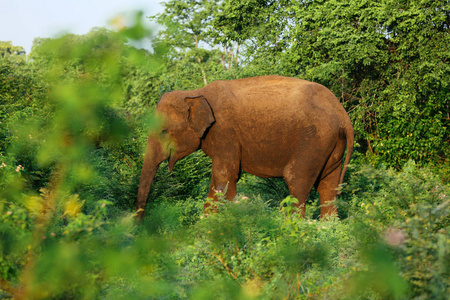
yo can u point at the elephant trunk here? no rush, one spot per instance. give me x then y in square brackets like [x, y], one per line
[154, 156]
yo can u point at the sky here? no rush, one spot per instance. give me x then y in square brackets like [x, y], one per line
[23, 20]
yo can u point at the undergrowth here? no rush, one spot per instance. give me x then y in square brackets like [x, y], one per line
[393, 244]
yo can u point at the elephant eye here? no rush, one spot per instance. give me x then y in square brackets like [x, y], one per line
[163, 132]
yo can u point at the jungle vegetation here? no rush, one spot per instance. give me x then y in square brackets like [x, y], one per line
[74, 117]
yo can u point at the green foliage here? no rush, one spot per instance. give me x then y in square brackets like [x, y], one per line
[409, 212]
[191, 176]
[249, 250]
[22, 98]
[74, 119]
[64, 109]
[273, 190]
[8, 50]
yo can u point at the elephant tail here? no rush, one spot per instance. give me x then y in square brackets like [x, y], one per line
[350, 137]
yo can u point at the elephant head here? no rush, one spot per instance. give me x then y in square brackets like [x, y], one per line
[185, 121]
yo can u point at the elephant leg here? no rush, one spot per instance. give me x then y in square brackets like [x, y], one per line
[224, 178]
[327, 189]
[300, 178]
[328, 182]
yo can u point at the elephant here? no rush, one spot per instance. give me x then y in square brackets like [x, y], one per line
[269, 126]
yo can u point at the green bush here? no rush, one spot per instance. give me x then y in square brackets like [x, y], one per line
[249, 249]
[407, 215]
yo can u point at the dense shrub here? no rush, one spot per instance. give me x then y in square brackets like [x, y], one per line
[409, 212]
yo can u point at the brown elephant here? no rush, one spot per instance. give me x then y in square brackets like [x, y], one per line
[269, 126]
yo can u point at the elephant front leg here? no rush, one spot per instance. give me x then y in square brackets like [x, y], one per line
[223, 180]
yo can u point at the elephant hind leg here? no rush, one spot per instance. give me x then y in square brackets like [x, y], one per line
[300, 177]
[328, 182]
[327, 188]
[300, 192]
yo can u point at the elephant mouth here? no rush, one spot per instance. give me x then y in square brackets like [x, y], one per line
[175, 156]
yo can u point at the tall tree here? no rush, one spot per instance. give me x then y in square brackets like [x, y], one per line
[7, 49]
[186, 23]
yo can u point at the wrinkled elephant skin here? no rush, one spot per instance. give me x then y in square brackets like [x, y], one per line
[269, 126]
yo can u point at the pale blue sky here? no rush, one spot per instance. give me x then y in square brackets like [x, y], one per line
[23, 20]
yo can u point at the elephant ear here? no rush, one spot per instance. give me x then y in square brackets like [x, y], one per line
[200, 116]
